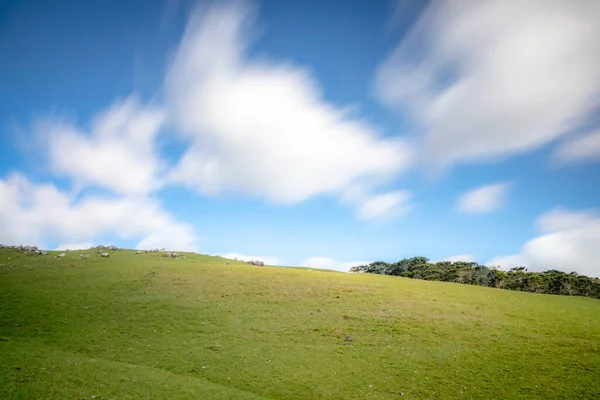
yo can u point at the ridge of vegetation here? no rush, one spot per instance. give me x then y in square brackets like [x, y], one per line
[472, 273]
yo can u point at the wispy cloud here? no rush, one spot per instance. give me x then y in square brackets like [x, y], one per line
[75, 246]
[385, 207]
[484, 199]
[31, 212]
[569, 242]
[329, 263]
[118, 153]
[460, 257]
[263, 129]
[488, 79]
[579, 149]
[508, 262]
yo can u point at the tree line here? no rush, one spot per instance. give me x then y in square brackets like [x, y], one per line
[472, 273]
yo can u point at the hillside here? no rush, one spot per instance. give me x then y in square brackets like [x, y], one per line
[144, 326]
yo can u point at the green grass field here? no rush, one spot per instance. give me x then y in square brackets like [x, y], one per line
[147, 327]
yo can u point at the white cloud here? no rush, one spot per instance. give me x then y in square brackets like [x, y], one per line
[569, 243]
[263, 129]
[483, 199]
[329, 263]
[487, 79]
[32, 213]
[508, 262]
[385, 206]
[584, 148]
[118, 153]
[461, 257]
[561, 219]
[244, 257]
[75, 246]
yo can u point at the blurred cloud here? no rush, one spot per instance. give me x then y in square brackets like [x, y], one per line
[582, 148]
[484, 199]
[385, 207]
[508, 262]
[117, 154]
[262, 128]
[31, 213]
[329, 263]
[488, 79]
[569, 243]
[564, 219]
[75, 246]
[461, 257]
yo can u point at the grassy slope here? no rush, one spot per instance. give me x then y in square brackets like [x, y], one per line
[142, 326]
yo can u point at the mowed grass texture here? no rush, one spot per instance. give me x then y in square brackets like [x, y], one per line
[147, 327]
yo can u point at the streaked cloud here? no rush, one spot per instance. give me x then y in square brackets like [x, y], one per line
[329, 263]
[508, 262]
[75, 246]
[579, 149]
[386, 206]
[461, 257]
[569, 242]
[118, 152]
[33, 213]
[262, 128]
[483, 80]
[484, 199]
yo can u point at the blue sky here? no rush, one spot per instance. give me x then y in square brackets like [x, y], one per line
[305, 132]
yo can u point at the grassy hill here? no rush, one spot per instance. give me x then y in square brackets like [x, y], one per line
[147, 327]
